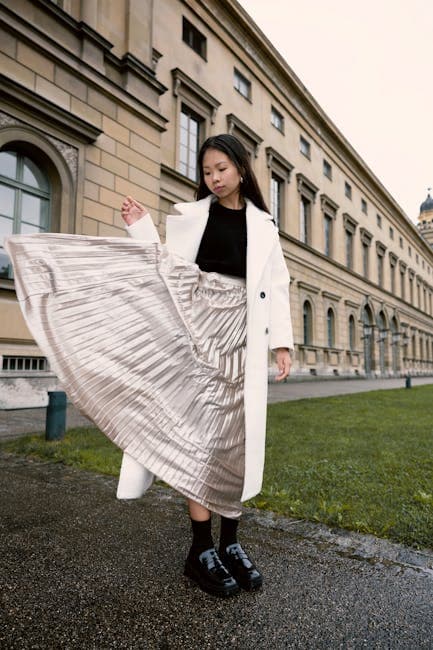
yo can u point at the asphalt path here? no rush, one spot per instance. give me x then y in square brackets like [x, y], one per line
[82, 570]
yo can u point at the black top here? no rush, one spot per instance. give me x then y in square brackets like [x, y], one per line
[223, 248]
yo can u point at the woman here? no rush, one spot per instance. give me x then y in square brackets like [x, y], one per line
[213, 232]
[165, 347]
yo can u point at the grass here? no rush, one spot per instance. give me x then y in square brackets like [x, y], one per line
[84, 448]
[362, 462]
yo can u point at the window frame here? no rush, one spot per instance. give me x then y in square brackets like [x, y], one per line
[205, 106]
[201, 48]
[329, 210]
[327, 169]
[380, 260]
[305, 147]
[280, 169]
[20, 190]
[347, 190]
[350, 224]
[352, 333]
[279, 117]
[240, 80]
[330, 328]
[192, 116]
[279, 183]
[307, 322]
[305, 209]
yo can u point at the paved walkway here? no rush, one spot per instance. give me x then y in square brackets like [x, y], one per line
[295, 389]
[80, 570]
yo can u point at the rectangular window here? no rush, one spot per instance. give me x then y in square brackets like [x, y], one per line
[380, 270]
[349, 249]
[190, 125]
[411, 290]
[31, 364]
[391, 233]
[242, 84]
[305, 147]
[365, 259]
[305, 225]
[409, 250]
[417, 258]
[327, 169]
[277, 119]
[328, 234]
[401, 242]
[364, 206]
[392, 270]
[192, 37]
[276, 198]
[348, 190]
[402, 291]
[379, 220]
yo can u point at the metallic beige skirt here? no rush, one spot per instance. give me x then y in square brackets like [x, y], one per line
[150, 348]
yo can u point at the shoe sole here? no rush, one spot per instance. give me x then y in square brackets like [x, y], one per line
[214, 591]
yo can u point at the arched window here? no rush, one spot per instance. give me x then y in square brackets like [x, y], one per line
[24, 200]
[330, 328]
[308, 323]
[352, 332]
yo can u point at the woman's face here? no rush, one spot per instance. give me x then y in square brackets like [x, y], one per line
[221, 176]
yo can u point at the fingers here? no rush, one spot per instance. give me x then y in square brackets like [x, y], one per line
[284, 365]
[131, 210]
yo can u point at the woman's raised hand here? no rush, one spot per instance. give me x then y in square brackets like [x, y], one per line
[132, 210]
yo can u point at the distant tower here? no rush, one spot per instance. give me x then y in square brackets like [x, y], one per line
[425, 219]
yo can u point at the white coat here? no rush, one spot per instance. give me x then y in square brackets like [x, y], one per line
[268, 323]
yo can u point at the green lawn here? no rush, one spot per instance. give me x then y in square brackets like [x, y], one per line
[362, 462]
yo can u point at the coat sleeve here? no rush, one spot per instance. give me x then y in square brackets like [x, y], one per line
[280, 322]
[144, 229]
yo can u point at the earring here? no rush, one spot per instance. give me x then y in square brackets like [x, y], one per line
[242, 179]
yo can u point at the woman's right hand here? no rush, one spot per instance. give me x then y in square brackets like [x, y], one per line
[132, 210]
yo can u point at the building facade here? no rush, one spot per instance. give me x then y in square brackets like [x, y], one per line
[102, 99]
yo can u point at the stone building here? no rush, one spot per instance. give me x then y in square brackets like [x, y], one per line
[101, 99]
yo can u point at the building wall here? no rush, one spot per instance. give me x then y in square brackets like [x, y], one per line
[93, 94]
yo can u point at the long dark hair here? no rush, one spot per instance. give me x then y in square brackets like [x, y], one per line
[235, 150]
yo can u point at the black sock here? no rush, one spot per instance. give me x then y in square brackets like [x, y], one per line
[201, 536]
[228, 534]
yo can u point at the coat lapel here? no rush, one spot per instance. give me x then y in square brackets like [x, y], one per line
[185, 230]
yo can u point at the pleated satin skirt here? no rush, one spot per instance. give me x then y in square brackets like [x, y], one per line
[150, 348]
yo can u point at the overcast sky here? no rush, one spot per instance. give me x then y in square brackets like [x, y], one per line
[369, 64]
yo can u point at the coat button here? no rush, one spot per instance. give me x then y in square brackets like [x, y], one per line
[266, 331]
[262, 294]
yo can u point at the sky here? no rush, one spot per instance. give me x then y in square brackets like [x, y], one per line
[369, 64]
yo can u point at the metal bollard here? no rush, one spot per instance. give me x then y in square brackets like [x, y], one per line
[408, 381]
[55, 424]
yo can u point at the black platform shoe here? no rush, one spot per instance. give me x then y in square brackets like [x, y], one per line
[210, 574]
[241, 567]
